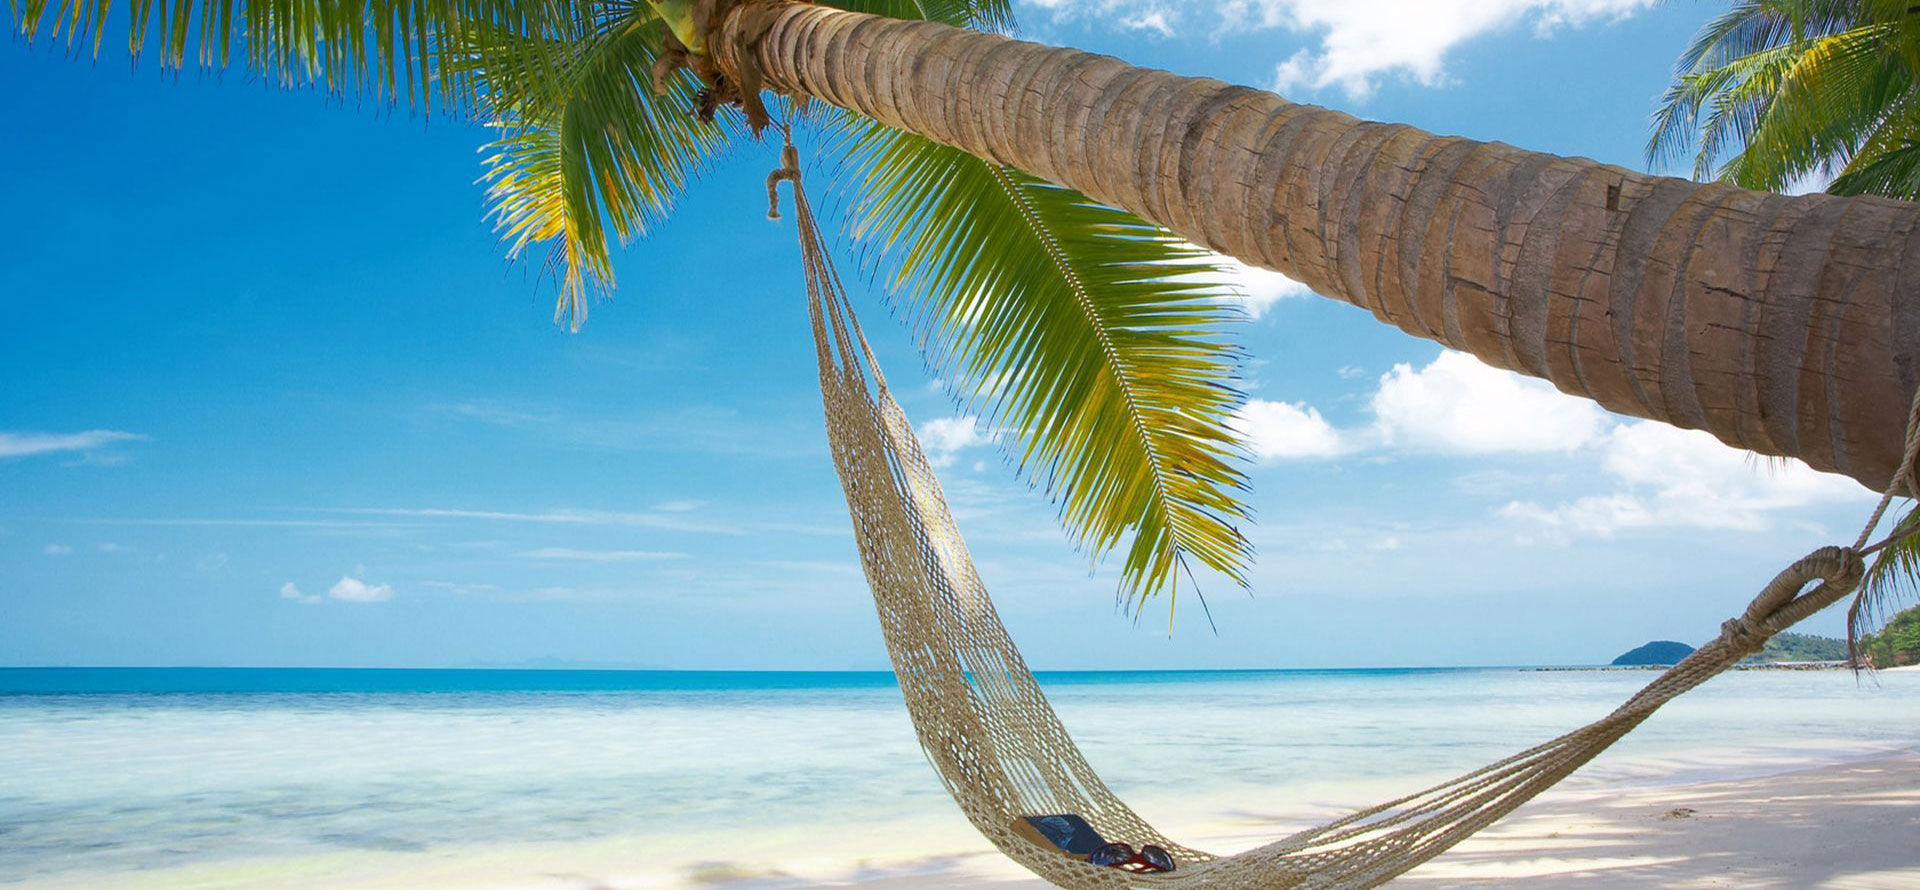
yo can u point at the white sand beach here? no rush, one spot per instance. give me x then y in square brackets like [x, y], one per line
[1841, 827]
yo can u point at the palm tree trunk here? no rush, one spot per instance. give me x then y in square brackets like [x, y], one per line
[1785, 325]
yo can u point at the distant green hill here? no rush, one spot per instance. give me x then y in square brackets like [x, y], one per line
[1799, 647]
[1897, 644]
[1658, 652]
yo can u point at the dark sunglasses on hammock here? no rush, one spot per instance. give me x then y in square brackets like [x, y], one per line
[1121, 855]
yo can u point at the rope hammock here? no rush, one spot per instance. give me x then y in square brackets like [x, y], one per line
[1004, 755]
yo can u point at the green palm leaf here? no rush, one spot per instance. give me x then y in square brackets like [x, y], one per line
[586, 144]
[1893, 578]
[1083, 333]
[389, 49]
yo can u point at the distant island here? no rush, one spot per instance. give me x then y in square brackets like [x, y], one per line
[1799, 647]
[1783, 648]
[1658, 652]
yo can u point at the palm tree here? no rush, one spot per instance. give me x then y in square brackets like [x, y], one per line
[1020, 191]
[1778, 92]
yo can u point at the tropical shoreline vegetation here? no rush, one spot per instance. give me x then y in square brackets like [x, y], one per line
[1897, 644]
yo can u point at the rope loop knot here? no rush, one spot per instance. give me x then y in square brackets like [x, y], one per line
[1786, 600]
[789, 171]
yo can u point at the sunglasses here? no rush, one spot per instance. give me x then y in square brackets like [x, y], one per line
[1120, 855]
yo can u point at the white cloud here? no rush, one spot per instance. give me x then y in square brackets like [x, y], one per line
[1652, 475]
[57, 550]
[353, 590]
[1154, 20]
[30, 444]
[1672, 477]
[1358, 42]
[1283, 430]
[289, 591]
[669, 516]
[600, 555]
[1457, 405]
[945, 437]
[1361, 41]
[1255, 289]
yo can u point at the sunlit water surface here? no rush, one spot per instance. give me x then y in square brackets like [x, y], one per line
[668, 775]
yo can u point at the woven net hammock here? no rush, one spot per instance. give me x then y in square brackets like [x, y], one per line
[1004, 755]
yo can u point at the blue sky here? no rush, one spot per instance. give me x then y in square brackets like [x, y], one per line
[273, 397]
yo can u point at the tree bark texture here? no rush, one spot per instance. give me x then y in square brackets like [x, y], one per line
[1785, 325]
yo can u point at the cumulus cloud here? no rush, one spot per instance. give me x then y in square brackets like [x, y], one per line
[1650, 475]
[1673, 477]
[945, 437]
[353, 590]
[1287, 431]
[1357, 42]
[600, 555]
[30, 444]
[1458, 405]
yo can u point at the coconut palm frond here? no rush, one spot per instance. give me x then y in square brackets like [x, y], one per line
[1893, 172]
[1084, 336]
[388, 49]
[1822, 108]
[1893, 578]
[1776, 90]
[585, 145]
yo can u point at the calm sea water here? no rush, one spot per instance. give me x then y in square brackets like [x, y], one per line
[314, 778]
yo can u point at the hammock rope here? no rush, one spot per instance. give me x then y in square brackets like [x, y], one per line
[1003, 754]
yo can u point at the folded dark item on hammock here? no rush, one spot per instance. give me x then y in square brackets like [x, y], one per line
[1067, 831]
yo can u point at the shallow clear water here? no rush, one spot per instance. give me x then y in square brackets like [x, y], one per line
[688, 768]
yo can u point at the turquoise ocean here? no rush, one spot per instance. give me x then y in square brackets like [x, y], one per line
[483, 779]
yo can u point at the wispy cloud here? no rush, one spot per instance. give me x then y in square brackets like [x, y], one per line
[567, 553]
[670, 520]
[706, 429]
[547, 594]
[496, 413]
[57, 550]
[14, 445]
[238, 523]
